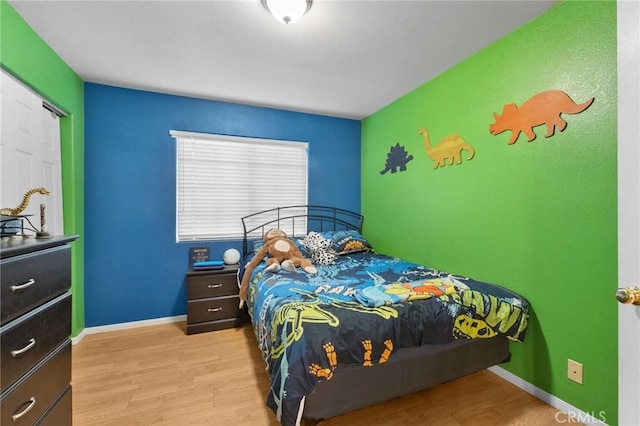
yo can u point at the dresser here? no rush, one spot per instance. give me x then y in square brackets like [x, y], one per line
[35, 348]
[213, 300]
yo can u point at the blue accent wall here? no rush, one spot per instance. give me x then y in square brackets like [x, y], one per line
[134, 269]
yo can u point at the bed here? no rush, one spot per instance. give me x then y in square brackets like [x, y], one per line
[366, 327]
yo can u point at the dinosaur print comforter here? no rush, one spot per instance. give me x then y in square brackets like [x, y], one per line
[308, 324]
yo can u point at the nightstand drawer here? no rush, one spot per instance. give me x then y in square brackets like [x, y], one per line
[30, 280]
[33, 395]
[213, 309]
[26, 341]
[223, 324]
[212, 285]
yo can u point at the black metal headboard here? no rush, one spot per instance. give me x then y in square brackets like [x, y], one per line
[298, 221]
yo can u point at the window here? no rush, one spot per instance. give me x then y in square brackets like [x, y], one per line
[223, 178]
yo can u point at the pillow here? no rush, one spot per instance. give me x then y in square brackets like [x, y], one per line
[257, 245]
[344, 242]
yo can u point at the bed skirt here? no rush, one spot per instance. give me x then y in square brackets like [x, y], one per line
[408, 370]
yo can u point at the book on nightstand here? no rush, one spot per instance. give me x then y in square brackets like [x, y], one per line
[208, 265]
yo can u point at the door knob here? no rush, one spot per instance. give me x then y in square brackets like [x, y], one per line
[628, 295]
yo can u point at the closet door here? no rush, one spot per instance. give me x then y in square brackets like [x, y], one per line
[51, 167]
[29, 154]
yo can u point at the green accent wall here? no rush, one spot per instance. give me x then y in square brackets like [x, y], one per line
[26, 56]
[538, 217]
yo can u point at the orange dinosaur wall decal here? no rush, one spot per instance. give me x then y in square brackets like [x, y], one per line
[449, 148]
[542, 108]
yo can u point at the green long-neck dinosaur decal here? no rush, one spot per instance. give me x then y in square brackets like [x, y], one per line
[449, 148]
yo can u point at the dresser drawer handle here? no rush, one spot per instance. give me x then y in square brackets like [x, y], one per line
[32, 402]
[214, 285]
[24, 285]
[16, 352]
[214, 309]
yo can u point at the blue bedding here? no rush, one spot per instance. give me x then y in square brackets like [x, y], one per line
[360, 310]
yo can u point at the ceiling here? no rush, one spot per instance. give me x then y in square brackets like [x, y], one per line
[344, 58]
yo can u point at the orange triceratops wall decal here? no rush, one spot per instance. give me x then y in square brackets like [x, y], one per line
[542, 108]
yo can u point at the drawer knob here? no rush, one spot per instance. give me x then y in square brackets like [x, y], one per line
[32, 402]
[16, 352]
[214, 309]
[23, 285]
[214, 285]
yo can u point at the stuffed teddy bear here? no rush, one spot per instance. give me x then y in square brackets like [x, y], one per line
[283, 253]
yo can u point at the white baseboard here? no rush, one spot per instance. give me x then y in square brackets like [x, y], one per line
[569, 411]
[126, 325]
[79, 337]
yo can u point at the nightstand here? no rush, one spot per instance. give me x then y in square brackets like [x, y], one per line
[213, 300]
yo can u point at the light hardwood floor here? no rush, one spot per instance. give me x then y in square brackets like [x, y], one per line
[157, 375]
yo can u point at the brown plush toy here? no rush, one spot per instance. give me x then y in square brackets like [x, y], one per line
[283, 253]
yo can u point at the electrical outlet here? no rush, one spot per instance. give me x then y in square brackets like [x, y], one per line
[574, 371]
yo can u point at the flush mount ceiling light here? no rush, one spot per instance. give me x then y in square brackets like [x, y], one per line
[287, 11]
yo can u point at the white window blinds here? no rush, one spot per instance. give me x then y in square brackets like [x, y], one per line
[223, 178]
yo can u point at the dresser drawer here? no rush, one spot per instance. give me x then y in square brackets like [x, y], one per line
[34, 394]
[212, 285]
[213, 309]
[61, 413]
[29, 280]
[27, 340]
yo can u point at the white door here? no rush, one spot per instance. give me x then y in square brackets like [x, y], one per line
[29, 154]
[628, 209]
